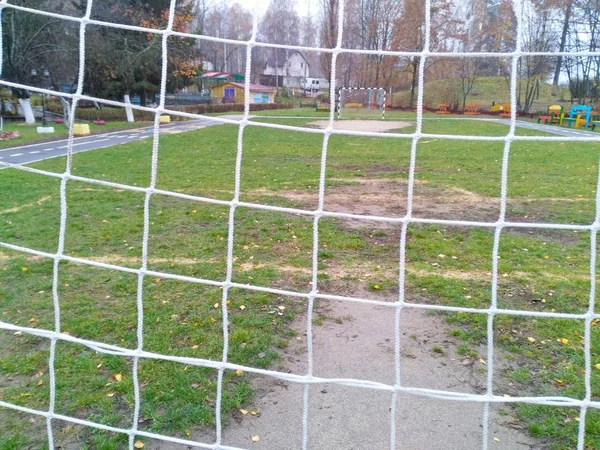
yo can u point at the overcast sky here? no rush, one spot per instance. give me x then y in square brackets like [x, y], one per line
[302, 6]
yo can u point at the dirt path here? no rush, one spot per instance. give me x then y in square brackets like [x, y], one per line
[374, 126]
[356, 341]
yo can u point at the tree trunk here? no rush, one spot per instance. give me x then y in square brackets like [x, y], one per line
[66, 111]
[25, 104]
[413, 82]
[561, 47]
[128, 110]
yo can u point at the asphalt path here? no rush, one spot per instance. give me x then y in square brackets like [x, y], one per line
[36, 152]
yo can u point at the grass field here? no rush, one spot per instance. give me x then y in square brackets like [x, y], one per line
[539, 270]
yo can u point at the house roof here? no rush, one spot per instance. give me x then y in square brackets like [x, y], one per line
[253, 87]
[281, 59]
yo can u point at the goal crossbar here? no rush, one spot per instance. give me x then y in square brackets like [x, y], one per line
[369, 91]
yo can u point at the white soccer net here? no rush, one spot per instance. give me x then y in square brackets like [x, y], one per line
[362, 102]
[373, 98]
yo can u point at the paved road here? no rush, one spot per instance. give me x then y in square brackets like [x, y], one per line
[36, 152]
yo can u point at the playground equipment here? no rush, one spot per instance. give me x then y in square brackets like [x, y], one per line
[579, 115]
[443, 109]
[553, 116]
[505, 108]
[472, 109]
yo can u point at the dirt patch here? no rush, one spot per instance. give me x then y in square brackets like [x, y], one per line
[386, 197]
[375, 126]
[26, 205]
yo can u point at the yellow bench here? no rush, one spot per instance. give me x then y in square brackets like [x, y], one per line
[81, 129]
[353, 105]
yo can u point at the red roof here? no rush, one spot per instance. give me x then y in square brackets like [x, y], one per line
[255, 87]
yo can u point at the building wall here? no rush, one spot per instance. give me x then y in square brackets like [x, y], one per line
[218, 93]
[296, 66]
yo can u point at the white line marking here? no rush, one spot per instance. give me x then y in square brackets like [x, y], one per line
[16, 154]
[48, 149]
[33, 153]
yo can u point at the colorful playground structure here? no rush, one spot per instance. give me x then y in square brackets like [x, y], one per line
[582, 116]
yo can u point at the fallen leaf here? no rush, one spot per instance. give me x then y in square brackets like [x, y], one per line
[216, 305]
[110, 394]
[597, 366]
[212, 319]
[559, 383]
[194, 347]
[98, 366]
[40, 382]
[244, 411]
[496, 439]
[24, 268]
[482, 361]
[239, 372]
[255, 438]
[254, 412]
[281, 308]
[194, 211]
[195, 385]
[530, 339]
[118, 376]
[564, 341]
[376, 287]
[18, 333]
[242, 307]
[138, 444]
[33, 319]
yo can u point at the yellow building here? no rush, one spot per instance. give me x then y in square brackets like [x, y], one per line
[232, 92]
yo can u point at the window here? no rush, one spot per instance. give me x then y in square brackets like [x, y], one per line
[229, 92]
[302, 65]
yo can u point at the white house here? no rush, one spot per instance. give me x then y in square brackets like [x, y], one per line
[291, 70]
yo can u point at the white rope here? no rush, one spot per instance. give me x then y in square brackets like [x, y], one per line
[486, 399]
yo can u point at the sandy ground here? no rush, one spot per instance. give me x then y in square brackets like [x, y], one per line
[362, 125]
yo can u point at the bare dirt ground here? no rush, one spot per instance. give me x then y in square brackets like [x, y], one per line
[357, 341]
[375, 126]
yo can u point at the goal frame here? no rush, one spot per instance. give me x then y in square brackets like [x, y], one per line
[350, 89]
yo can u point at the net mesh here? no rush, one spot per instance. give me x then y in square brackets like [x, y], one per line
[486, 399]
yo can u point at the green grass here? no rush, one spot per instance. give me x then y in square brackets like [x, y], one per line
[539, 270]
[28, 133]
[486, 91]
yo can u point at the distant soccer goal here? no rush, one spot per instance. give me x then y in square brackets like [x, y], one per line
[362, 102]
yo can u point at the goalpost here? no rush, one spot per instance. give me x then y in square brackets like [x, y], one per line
[368, 101]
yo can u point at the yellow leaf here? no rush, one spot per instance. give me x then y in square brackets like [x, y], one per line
[110, 394]
[194, 211]
[281, 308]
[239, 372]
[40, 382]
[118, 376]
[194, 347]
[98, 366]
[18, 333]
[254, 412]
[530, 339]
[496, 439]
[243, 411]
[228, 302]
[212, 319]
[255, 438]
[139, 444]
[376, 287]
[559, 382]
[597, 366]
[242, 307]
[564, 341]
[33, 319]
[482, 361]
[24, 268]
[216, 305]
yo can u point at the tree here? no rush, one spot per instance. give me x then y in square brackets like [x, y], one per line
[468, 76]
[34, 42]
[280, 25]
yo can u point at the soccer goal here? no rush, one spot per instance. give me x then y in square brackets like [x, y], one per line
[362, 102]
